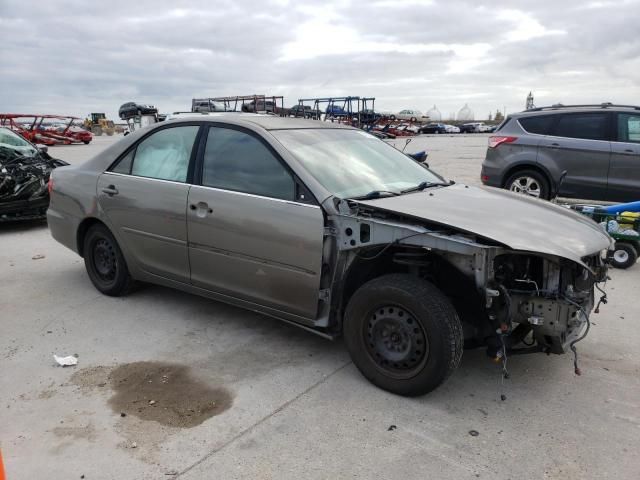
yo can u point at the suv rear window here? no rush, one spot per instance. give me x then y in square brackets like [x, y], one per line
[540, 124]
[590, 126]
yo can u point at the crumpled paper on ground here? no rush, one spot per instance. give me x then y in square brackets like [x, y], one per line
[66, 361]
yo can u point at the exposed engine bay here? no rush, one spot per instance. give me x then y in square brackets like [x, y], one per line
[23, 183]
[509, 301]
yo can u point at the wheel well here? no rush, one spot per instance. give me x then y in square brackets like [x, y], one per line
[83, 228]
[520, 168]
[457, 286]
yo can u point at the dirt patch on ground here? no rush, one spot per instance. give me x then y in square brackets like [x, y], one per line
[163, 392]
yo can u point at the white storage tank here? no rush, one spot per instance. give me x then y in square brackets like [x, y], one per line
[434, 114]
[465, 114]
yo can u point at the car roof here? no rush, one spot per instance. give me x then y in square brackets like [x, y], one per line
[558, 109]
[267, 122]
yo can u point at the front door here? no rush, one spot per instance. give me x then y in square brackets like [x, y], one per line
[144, 195]
[624, 174]
[249, 236]
[579, 144]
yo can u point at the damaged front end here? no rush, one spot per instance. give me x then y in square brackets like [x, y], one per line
[24, 174]
[509, 301]
[546, 299]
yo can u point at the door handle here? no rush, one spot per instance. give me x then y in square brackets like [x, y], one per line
[629, 150]
[110, 190]
[553, 145]
[201, 209]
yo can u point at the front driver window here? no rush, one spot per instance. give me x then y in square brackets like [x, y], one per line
[235, 160]
[165, 154]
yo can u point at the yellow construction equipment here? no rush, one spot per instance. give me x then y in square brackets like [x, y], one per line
[97, 123]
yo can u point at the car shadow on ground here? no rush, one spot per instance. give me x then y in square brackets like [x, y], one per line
[22, 226]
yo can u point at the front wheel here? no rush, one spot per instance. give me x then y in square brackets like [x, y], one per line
[624, 256]
[105, 263]
[403, 334]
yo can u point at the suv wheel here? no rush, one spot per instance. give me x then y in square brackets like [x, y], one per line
[529, 182]
[403, 334]
[105, 263]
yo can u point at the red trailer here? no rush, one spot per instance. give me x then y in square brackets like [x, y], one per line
[33, 128]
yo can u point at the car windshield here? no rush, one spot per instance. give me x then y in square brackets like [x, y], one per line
[9, 139]
[352, 163]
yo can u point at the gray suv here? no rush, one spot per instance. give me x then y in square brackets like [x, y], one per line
[598, 146]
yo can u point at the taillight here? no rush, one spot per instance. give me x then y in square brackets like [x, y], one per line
[496, 141]
[50, 184]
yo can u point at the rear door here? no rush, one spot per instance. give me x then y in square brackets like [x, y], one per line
[144, 195]
[252, 234]
[579, 143]
[624, 174]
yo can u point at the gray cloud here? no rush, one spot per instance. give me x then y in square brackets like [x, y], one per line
[75, 57]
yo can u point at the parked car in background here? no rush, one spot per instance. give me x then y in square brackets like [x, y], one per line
[131, 109]
[410, 115]
[304, 111]
[433, 128]
[336, 111]
[451, 129]
[471, 127]
[369, 116]
[206, 106]
[268, 106]
[598, 146]
[332, 229]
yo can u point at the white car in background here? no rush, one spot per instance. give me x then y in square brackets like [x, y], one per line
[451, 129]
[411, 115]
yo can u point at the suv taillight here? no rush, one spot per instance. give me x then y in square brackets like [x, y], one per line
[50, 185]
[496, 141]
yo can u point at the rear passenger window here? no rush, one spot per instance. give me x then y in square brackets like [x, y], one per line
[164, 154]
[235, 160]
[590, 126]
[628, 128]
[540, 124]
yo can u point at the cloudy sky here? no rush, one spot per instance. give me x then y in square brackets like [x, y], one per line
[76, 57]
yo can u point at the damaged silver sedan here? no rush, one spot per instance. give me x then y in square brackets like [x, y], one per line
[334, 230]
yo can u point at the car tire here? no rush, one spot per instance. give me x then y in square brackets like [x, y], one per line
[625, 255]
[105, 263]
[392, 117]
[529, 182]
[403, 334]
[413, 119]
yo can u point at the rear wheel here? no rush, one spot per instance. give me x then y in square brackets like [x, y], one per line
[529, 182]
[403, 334]
[624, 255]
[105, 263]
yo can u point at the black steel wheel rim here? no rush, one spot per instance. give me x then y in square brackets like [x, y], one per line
[396, 341]
[104, 260]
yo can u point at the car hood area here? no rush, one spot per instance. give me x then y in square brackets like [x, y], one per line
[516, 221]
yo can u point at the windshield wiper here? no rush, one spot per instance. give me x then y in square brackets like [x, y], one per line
[376, 194]
[422, 185]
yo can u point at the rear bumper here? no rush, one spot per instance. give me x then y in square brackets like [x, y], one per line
[491, 176]
[63, 229]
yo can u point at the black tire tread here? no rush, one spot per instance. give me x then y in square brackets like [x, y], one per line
[124, 285]
[431, 299]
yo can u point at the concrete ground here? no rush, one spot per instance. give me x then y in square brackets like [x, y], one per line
[287, 404]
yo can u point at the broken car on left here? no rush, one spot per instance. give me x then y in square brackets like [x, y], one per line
[24, 177]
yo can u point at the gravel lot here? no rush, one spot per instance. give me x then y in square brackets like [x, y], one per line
[263, 399]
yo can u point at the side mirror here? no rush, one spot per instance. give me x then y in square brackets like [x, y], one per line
[42, 148]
